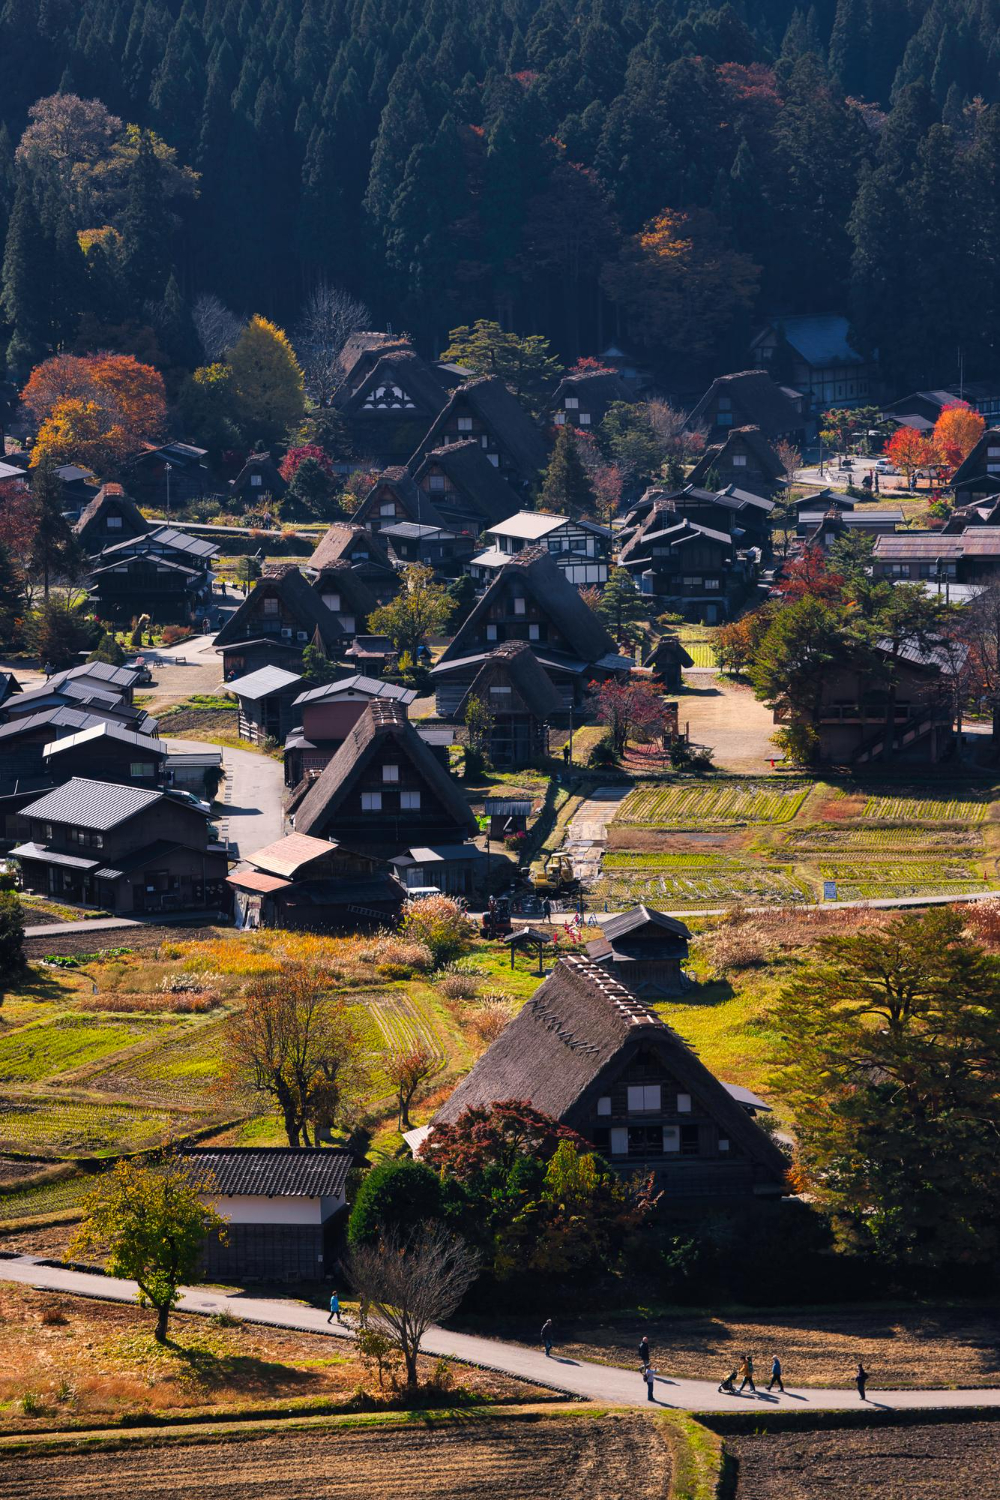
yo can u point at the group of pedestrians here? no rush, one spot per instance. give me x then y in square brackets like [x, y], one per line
[742, 1372]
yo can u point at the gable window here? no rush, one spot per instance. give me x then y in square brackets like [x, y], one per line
[409, 800]
[559, 419]
[390, 773]
[533, 633]
[585, 419]
[683, 1104]
[332, 601]
[500, 692]
[671, 1138]
[387, 508]
[619, 1140]
[739, 460]
[271, 606]
[114, 523]
[437, 482]
[712, 583]
[723, 1143]
[494, 459]
[572, 403]
[491, 632]
[993, 453]
[347, 624]
[643, 1096]
[256, 481]
[519, 606]
[604, 1105]
[371, 801]
[465, 424]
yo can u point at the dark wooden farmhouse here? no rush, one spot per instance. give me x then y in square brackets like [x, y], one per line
[365, 554]
[645, 950]
[748, 399]
[346, 596]
[110, 517]
[324, 716]
[278, 619]
[586, 1050]
[583, 400]
[124, 848]
[905, 711]
[435, 547]
[281, 1205]
[302, 882]
[979, 473]
[258, 479]
[168, 475]
[529, 600]
[388, 400]
[969, 557]
[395, 498]
[385, 789]
[815, 354]
[164, 573]
[686, 568]
[265, 698]
[744, 459]
[106, 752]
[580, 549]
[466, 490]
[485, 410]
[522, 701]
[744, 515]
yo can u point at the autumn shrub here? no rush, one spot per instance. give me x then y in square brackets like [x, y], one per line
[492, 1016]
[982, 920]
[174, 634]
[459, 986]
[394, 971]
[441, 924]
[390, 949]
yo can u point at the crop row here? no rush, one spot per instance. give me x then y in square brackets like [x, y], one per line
[722, 804]
[912, 840]
[48, 1048]
[910, 807]
[697, 888]
[48, 1127]
[916, 872]
[644, 859]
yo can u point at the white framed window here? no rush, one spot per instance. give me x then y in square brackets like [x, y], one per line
[584, 419]
[604, 1105]
[691, 581]
[993, 468]
[671, 1138]
[271, 606]
[739, 460]
[501, 692]
[114, 523]
[572, 403]
[723, 1143]
[347, 623]
[465, 424]
[712, 583]
[387, 508]
[519, 606]
[559, 419]
[990, 453]
[371, 801]
[141, 768]
[494, 459]
[256, 481]
[390, 773]
[683, 1104]
[491, 632]
[533, 633]
[332, 601]
[619, 1140]
[437, 482]
[643, 1096]
[409, 800]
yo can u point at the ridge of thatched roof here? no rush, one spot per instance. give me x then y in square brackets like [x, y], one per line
[517, 663]
[478, 482]
[382, 718]
[499, 409]
[756, 398]
[299, 597]
[584, 633]
[412, 373]
[754, 439]
[108, 495]
[351, 586]
[401, 482]
[337, 542]
[602, 389]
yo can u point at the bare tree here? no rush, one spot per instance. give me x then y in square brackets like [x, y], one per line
[217, 328]
[408, 1283]
[406, 1071]
[328, 319]
[980, 630]
[294, 1046]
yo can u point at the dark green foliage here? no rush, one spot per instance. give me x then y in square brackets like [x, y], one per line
[395, 1196]
[566, 488]
[145, 230]
[308, 495]
[11, 600]
[11, 941]
[24, 294]
[108, 650]
[56, 553]
[58, 632]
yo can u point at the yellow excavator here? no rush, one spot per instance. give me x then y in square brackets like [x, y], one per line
[551, 873]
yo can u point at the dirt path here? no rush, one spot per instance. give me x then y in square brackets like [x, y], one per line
[587, 832]
[728, 718]
[478, 1459]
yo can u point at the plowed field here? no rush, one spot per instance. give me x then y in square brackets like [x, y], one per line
[613, 1458]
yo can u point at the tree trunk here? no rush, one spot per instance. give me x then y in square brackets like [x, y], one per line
[162, 1316]
[410, 1356]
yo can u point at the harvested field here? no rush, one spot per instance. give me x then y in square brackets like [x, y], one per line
[901, 1347]
[958, 1461]
[473, 1460]
[692, 805]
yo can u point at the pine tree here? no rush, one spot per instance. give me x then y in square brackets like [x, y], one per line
[566, 489]
[145, 229]
[11, 601]
[22, 295]
[622, 607]
[55, 550]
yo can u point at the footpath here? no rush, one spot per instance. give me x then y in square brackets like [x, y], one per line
[581, 1378]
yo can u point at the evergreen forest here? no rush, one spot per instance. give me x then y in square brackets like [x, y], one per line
[659, 172]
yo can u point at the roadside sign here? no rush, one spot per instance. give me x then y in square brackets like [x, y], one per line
[829, 890]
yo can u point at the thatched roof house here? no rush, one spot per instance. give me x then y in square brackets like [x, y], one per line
[466, 489]
[110, 517]
[278, 619]
[486, 410]
[362, 551]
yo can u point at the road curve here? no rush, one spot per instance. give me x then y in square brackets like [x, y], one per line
[604, 1383]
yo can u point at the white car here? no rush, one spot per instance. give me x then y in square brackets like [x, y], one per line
[883, 466]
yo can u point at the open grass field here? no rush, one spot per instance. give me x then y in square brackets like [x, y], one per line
[942, 1462]
[461, 1459]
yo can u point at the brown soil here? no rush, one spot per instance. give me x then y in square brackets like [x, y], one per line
[900, 1348]
[960, 1462]
[50, 1240]
[663, 841]
[139, 938]
[606, 1459]
[834, 809]
[91, 1362]
[190, 723]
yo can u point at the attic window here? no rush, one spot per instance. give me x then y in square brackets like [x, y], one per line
[437, 482]
[271, 606]
[332, 601]
[371, 801]
[494, 459]
[643, 1096]
[739, 460]
[533, 633]
[604, 1105]
[256, 481]
[519, 606]
[572, 403]
[584, 419]
[390, 773]
[723, 1144]
[725, 403]
[683, 1104]
[559, 419]
[114, 523]
[465, 424]
[387, 508]
[409, 800]
[491, 632]
[501, 691]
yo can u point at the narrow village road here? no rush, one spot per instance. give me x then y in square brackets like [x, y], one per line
[255, 784]
[593, 1382]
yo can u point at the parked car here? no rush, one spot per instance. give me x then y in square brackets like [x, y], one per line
[884, 466]
[142, 667]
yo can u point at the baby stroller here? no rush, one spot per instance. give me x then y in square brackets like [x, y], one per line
[728, 1386]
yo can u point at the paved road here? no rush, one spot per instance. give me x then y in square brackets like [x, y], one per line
[255, 785]
[575, 1377]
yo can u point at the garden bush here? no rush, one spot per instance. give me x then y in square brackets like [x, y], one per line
[440, 924]
[459, 986]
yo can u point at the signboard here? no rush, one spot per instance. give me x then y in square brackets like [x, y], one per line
[829, 890]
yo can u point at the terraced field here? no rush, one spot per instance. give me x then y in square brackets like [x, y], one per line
[916, 807]
[713, 804]
[68, 1042]
[889, 878]
[682, 887]
[885, 840]
[48, 1126]
[181, 1072]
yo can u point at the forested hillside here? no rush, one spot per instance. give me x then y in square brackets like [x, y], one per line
[654, 170]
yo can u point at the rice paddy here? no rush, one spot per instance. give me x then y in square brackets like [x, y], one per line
[713, 804]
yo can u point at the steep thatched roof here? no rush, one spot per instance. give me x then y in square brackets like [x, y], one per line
[599, 389]
[383, 719]
[515, 663]
[299, 598]
[395, 366]
[578, 1029]
[480, 487]
[341, 540]
[417, 505]
[110, 498]
[749, 437]
[555, 596]
[355, 595]
[499, 410]
[756, 399]
[974, 463]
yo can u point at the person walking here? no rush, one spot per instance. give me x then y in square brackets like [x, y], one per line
[649, 1375]
[547, 910]
[861, 1380]
[334, 1308]
[644, 1351]
[776, 1375]
[746, 1373]
[547, 1336]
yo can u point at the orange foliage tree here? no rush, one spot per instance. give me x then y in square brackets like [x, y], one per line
[678, 283]
[956, 432]
[909, 450]
[94, 409]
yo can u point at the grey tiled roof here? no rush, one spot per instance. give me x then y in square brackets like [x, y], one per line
[92, 804]
[265, 680]
[271, 1172]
